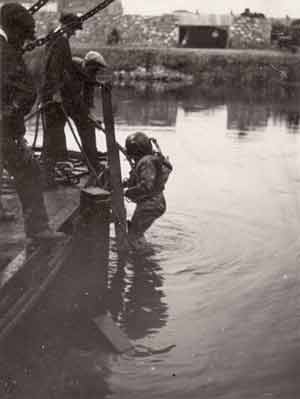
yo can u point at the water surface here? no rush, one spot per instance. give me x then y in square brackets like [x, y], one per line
[221, 276]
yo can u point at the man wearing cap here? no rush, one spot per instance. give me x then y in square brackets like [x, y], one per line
[58, 67]
[88, 73]
[77, 98]
[17, 98]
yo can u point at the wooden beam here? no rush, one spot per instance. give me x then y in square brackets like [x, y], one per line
[116, 337]
[118, 207]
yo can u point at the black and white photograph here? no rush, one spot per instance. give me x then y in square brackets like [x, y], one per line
[149, 199]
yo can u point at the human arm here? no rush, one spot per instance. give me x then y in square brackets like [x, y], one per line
[18, 92]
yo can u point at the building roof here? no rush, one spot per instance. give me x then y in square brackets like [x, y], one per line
[188, 19]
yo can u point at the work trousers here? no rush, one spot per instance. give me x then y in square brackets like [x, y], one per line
[54, 146]
[19, 161]
[54, 140]
[146, 212]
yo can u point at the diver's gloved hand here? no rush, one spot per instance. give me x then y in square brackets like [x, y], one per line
[132, 193]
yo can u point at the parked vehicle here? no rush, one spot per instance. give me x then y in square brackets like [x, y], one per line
[287, 36]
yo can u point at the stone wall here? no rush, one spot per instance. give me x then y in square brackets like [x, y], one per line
[160, 31]
[248, 32]
[134, 30]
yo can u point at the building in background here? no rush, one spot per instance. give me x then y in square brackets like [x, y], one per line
[203, 30]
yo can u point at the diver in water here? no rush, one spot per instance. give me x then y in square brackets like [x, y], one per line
[146, 184]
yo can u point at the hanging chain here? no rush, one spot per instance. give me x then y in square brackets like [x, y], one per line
[36, 6]
[94, 10]
[64, 29]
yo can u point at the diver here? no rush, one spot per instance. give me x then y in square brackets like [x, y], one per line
[145, 185]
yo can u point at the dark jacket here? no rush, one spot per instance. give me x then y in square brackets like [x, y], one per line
[17, 90]
[61, 75]
[58, 63]
[85, 86]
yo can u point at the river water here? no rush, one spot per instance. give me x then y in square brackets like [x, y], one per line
[217, 292]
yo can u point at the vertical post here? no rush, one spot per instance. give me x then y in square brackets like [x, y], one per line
[1, 160]
[61, 5]
[118, 207]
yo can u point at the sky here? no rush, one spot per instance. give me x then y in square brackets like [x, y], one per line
[271, 8]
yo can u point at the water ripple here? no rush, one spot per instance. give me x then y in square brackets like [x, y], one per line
[206, 243]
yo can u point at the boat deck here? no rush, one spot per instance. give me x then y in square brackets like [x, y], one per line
[59, 202]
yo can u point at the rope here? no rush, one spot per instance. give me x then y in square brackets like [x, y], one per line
[90, 166]
[37, 111]
[37, 125]
[98, 125]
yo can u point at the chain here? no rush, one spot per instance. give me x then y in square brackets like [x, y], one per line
[96, 9]
[64, 29]
[36, 6]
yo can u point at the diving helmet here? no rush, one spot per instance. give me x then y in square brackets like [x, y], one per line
[138, 144]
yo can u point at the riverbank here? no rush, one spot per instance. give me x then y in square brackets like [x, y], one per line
[233, 68]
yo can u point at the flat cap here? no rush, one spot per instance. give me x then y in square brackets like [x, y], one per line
[94, 57]
[71, 19]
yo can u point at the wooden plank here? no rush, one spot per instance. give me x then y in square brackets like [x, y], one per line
[29, 298]
[118, 206]
[22, 259]
[119, 341]
[26, 279]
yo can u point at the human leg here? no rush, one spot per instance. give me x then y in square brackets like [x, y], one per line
[87, 136]
[24, 168]
[54, 143]
[146, 212]
[5, 215]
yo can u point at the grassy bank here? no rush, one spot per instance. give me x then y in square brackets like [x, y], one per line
[236, 68]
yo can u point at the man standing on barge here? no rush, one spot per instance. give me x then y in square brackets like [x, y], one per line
[87, 71]
[59, 94]
[17, 98]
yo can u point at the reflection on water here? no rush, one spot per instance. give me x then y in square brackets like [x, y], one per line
[148, 107]
[246, 110]
[136, 298]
